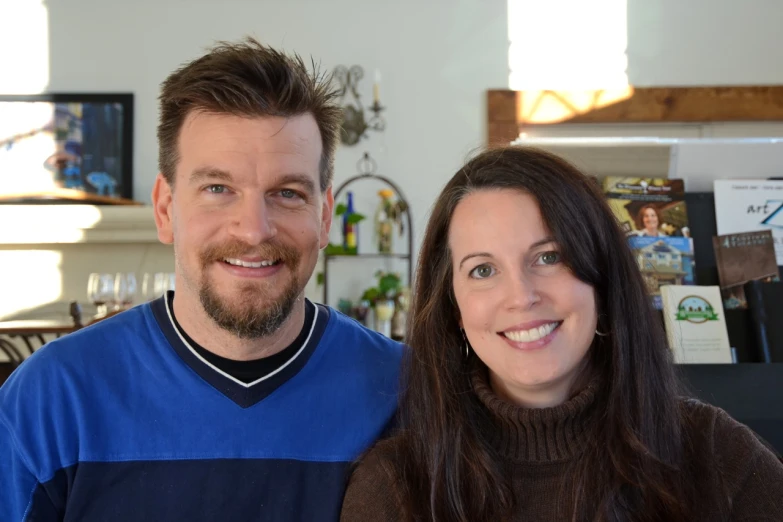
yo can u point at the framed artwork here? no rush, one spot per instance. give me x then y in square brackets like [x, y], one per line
[66, 147]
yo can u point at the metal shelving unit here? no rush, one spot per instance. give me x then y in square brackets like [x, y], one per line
[367, 171]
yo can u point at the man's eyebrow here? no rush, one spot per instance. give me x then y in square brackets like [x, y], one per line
[304, 180]
[202, 174]
[210, 173]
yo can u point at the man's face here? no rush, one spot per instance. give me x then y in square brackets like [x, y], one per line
[246, 217]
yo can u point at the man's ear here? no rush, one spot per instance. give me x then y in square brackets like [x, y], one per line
[162, 208]
[326, 216]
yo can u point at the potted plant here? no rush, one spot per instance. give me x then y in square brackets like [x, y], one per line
[382, 298]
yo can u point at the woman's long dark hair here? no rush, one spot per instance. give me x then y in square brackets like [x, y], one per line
[633, 466]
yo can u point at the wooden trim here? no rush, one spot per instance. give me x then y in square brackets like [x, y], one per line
[509, 111]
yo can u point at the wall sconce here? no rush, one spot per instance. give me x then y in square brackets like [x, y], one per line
[354, 126]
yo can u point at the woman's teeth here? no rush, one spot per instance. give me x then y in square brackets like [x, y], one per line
[534, 334]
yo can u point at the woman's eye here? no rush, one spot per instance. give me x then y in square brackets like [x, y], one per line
[550, 258]
[482, 272]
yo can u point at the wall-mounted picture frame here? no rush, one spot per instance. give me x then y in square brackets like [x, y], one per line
[66, 148]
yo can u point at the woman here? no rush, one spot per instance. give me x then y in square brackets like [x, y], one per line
[648, 220]
[532, 393]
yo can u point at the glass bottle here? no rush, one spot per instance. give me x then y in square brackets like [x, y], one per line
[350, 229]
[384, 222]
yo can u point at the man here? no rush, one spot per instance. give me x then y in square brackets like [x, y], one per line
[233, 398]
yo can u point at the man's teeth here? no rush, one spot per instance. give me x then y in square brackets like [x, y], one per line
[534, 334]
[248, 264]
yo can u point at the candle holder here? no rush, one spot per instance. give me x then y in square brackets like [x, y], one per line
[355, 124]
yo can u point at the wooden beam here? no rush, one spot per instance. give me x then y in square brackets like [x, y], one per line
[508, 111]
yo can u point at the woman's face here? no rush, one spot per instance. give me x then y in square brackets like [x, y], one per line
[650, 219]
[527, 317]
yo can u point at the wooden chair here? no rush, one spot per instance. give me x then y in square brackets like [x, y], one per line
[32, 332]
[14, 356]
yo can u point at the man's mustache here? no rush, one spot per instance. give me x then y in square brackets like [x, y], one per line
[272, 250]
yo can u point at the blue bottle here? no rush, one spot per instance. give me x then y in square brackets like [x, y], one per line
[350, 230]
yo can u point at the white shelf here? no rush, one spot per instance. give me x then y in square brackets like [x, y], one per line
[73, 224]
[699, 161]
[645, 141]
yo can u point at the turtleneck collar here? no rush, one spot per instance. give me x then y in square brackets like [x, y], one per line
[543, 435]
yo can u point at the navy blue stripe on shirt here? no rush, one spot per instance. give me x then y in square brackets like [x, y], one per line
[193, 491]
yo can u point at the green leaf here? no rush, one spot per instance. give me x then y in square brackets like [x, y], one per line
[355, 218]
[389, 284]
[371, 294]
[340, 209]
[334, 250]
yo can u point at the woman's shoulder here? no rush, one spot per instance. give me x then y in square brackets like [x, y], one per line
[709, 424]
[372, 492]
[725, 446]
[742, 469]
[380, 460]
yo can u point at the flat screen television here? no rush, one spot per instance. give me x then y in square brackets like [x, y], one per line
[66, 148]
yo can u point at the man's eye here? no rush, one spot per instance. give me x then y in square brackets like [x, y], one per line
[289, 194]
[216, 189]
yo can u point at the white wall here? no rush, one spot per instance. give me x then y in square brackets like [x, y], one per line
[704, 42]
[609, 43]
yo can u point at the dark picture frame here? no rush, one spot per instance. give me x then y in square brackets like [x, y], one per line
[122, 181]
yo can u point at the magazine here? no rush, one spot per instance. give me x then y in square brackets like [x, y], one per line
[648, 207]
[663, 261]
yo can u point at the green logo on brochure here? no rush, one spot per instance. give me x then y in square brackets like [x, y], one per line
[695, 309]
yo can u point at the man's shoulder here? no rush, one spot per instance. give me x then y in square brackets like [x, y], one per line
[81, 352]
[351, 335]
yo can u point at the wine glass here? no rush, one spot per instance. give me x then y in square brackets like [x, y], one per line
[148, 290]
[164, 281]
[100, 290]
[156, 284]
[124, 290]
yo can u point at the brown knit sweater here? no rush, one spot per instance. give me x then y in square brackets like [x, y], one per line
[741, 478]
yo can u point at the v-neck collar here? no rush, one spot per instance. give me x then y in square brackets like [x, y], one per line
[243, 394]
